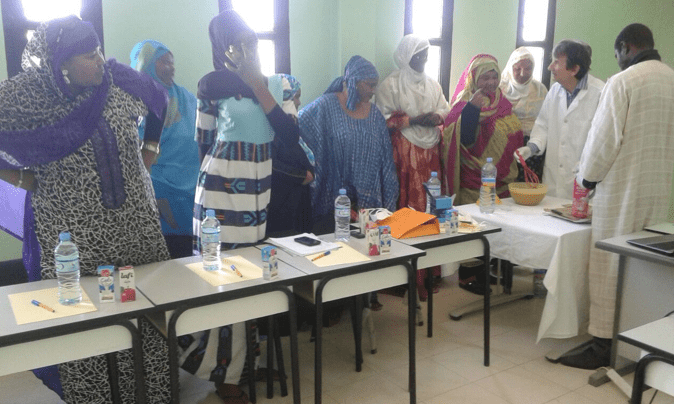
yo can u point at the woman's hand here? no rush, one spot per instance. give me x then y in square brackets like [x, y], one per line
[247, 64]
[479, 99]
[308, 179]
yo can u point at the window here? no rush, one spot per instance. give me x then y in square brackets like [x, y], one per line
[270, 20]
[535, 30]
[21, 17]
[433, 19]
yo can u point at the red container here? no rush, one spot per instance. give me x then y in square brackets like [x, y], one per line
[580, 205]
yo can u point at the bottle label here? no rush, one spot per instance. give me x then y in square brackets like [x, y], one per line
[210, 237]
[434, 191]
[489, 182]
[342, 212]
[68, 266]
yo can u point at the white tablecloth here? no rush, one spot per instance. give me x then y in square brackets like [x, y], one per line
[530, 238]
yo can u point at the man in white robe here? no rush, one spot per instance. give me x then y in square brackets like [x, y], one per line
[629, 156]
[566, 115]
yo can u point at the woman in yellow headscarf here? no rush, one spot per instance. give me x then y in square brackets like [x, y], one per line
[480, 124]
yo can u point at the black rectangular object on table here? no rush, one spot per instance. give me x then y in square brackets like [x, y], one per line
[662, 244]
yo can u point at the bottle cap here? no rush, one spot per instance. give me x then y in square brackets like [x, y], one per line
[434, 173]
[489, 160]
[342, 191]
[64, 236]
[210, 213]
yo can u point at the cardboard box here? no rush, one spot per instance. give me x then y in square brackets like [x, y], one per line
[269, 263]
[127, 284]
[106, 283]
[373, 241]
[385, 239]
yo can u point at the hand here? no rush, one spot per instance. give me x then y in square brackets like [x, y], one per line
[246, 64]
[479, 99]
[434, 120]
[525, 152]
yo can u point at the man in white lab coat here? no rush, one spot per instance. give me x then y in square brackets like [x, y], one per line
[629, 157]
[565, 117]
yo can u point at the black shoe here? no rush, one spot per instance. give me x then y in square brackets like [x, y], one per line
[594, 356]
[474, 287]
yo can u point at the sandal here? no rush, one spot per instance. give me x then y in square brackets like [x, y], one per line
[231, 394]
[376, 306]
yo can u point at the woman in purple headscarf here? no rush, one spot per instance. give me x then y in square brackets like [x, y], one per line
[351, 144]
[69, 136]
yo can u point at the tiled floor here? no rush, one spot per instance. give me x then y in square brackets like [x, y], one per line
[449, 365]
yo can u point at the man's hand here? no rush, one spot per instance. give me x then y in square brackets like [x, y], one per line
[479, 99]
[525, 152]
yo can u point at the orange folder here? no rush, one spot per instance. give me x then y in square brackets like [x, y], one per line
[408, 223]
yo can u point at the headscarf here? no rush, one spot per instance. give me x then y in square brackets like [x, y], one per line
[356, 69]
[174, 175]
[413, 93]
[222, 83]
[467, 85]
[526, 98]
[290, 88]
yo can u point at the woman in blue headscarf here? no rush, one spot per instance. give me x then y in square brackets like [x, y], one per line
[174, 175]
[351, 144]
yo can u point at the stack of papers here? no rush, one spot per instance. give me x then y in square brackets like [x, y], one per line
[293, 247]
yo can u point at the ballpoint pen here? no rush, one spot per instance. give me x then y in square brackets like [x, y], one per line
[320, 256]
[44, 306]
[235, 269]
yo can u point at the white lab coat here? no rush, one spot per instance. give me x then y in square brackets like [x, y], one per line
[562, 132]
[630, 152]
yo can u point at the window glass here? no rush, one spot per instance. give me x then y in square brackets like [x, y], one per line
[535, 20]
[427, 18]
[538, 58]
[432, 68]
[44, 10]
[258, 14]
[265, 49]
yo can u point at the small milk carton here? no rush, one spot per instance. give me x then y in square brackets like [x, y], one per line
[127, 284]
[106, 283]
[453, 217]
[384, 239]
[363, 219]
[270, 263]
[372, 236]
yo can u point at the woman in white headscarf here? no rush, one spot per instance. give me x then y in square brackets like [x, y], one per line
[414, 107]
[526, 94]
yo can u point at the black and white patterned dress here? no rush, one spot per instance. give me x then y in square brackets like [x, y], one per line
[69, 198]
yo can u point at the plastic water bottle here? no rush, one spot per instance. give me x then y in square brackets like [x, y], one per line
[433, 185]
[342, 216]
[67, 260]
[488, 188]
[210, 241]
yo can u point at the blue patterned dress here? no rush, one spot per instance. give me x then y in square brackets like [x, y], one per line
[355, 154]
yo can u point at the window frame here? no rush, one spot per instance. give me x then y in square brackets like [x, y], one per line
[15, 26]
[444, 42]
[280, 36]
[546, 44]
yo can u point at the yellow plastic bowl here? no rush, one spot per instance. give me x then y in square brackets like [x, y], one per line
[525, 194]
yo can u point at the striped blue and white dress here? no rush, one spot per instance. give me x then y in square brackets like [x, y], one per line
[235, 176]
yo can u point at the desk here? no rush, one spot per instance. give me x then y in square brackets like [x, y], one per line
[656, 339]
[190, 304]
[535, 240]
[106, 330]
[644, 292]
[444, 248]
[340, 281]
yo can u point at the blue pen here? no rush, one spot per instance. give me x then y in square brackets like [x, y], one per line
[44, 306]
[236, 270]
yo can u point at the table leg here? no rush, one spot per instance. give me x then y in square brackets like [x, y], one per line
[411, 329]
[318, 359]
[114, 377]
[279, 359]
[429, 306]
[271, 336]
[250, 359]
[487, 296]
[357, 320]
